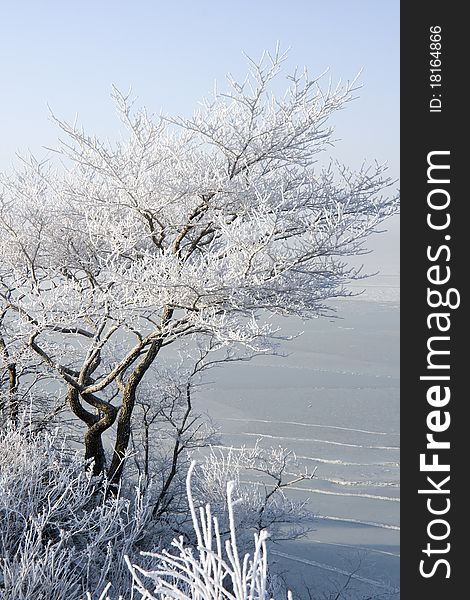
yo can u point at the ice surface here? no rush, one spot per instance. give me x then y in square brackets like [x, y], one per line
[334, 401]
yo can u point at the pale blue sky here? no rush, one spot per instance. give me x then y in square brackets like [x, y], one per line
[67, 54]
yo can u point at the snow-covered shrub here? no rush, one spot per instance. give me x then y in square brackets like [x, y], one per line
[59, 533]
[63, 534]
[260, 477]
[215, 569]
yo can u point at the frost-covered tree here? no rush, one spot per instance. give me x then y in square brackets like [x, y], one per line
[186, 232]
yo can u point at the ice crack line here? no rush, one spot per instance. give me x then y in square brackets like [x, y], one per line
[315, 563]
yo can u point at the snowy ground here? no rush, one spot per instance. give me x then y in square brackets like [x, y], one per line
[335, 402]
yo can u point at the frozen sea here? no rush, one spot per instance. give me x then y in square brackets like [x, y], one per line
[334, 400]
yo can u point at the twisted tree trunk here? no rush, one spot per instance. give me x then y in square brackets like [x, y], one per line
[123, 433]
[96, 424]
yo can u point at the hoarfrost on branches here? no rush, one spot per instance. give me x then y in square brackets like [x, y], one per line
[213, 569]
[62, 535]
[186, 231]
